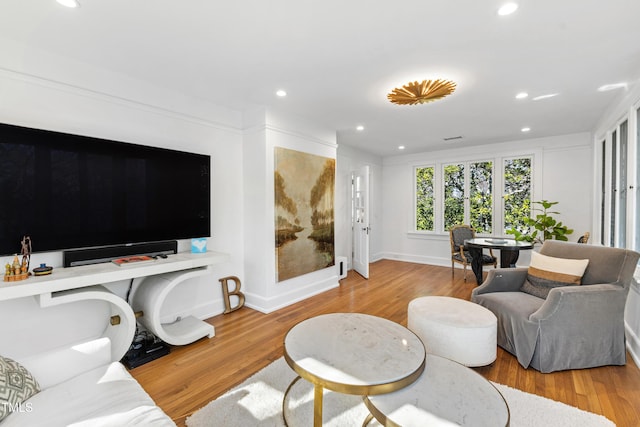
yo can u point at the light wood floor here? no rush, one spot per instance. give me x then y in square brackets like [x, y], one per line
[247, 341]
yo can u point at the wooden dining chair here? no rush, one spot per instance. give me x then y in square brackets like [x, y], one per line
[457, 235]
[584, 238]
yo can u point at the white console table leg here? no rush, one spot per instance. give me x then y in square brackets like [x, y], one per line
[149, 298]
[121, 335]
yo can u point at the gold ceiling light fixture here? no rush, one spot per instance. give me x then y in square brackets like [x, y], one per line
[421, 92]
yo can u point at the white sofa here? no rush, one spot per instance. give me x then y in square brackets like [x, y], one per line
[67, 350]
[81, 386]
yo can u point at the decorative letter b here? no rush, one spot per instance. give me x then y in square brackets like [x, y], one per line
[225, 292]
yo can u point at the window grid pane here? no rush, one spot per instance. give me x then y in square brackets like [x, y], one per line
[517, 193]
[453, 195]
[481, 197]
[603, 192]
[424, 199]
[614, 188]
[622, 188]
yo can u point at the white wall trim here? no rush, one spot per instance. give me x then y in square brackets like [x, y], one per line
[620, 109]
[298, 135]
[418, 259]
[375, 257]
[113, 99]
[268, 305]
[633, 340]
[633, 343]
[509, 149]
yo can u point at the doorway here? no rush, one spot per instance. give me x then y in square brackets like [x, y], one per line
[360, 225]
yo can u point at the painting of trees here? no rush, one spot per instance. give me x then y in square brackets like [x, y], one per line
[304, 192]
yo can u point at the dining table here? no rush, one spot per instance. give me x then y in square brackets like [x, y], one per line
[509, 252]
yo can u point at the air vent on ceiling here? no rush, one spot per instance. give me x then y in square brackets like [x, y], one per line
[453, 138]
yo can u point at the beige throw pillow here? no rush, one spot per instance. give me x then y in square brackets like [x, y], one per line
[546, 273]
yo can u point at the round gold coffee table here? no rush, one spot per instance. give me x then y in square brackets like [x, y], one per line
[352, 353]
[446, 394]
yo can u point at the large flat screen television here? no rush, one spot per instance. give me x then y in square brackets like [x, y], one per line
[69, 191]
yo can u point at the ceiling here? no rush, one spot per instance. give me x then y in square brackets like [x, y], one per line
[338, 59]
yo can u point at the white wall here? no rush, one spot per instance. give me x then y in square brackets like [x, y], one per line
[40, 90]
[45, 103]
[561, 173]
[265, 130]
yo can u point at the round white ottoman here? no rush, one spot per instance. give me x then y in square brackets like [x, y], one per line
[459, 330]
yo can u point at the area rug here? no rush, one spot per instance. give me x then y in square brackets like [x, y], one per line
[258, 402]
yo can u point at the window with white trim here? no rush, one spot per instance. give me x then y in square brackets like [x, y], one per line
[466, 195]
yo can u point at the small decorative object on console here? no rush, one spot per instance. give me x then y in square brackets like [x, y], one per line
[199, 246]
[19, 270]
[43, 270]
[131, 260]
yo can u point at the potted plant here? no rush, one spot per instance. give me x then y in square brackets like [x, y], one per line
[543, 226]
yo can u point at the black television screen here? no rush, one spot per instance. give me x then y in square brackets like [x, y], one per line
[69, 191]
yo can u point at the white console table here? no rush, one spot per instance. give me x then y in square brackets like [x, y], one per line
[72, 284]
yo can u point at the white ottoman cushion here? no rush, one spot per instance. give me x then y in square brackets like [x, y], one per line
[454, 328]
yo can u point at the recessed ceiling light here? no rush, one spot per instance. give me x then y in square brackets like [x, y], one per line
[360, 128]
[613, 86]
[69, 3]
[549, 95]
[522, 95]
[507, 9]
[281, 93]
[525, 129]
[401, 147]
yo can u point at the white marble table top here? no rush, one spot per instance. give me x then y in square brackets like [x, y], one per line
[446, 394]
[354, 350]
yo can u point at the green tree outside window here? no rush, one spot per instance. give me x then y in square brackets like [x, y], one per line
[481, 197]
[424, 199]
[473, 181]
[453, 195]
[517, 194]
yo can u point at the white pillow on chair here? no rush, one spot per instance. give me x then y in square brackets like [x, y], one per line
[546, 273]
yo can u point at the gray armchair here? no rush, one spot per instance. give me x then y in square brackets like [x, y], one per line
[575, 326]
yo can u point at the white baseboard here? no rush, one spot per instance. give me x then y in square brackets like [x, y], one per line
[264, 305]
[419, 259]
[633, 344]
[376, 257]
[632, 319]
[268, 305]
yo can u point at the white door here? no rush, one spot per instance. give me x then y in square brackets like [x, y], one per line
[360, 221]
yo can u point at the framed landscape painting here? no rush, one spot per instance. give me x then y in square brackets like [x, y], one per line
[304, 187]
